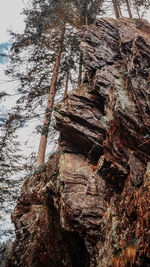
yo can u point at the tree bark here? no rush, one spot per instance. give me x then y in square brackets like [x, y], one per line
[67, 80]
[115, 5]
[80, 71]
[47, 118]
[137, 9]
[86, 20]
[83, 21]
[120, 12]
[128, 8]
[138, 13]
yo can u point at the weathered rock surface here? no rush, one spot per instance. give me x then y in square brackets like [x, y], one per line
[91, 204]
[40, 238]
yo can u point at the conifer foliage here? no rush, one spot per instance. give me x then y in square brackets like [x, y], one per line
[45, 58]
[10, 152]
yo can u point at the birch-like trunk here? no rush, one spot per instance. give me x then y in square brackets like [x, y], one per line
[47, 118]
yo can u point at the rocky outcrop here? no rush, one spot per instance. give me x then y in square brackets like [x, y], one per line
[90, 204]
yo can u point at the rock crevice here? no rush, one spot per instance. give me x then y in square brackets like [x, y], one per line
[90, 206]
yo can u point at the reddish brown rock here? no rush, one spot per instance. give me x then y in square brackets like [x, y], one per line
[41, 239]
[91, 205]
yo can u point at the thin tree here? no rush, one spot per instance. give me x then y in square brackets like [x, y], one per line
[41, 39]
[43, 141]
[67, 81]
[116, 9]
[120, 12]
[136, 6]
[47, 118]
[87, 11]
[80, 70]
[128, 8]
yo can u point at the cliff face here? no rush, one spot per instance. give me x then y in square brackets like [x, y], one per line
[90, 205]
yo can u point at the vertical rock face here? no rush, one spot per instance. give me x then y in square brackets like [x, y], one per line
[90, 206]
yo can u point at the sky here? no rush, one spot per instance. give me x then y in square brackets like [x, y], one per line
[10, 17]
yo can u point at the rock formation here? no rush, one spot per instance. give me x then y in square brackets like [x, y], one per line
[90, 204]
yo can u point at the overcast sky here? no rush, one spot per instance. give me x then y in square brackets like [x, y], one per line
[10, 17]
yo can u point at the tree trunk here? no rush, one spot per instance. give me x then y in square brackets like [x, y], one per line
[83, 21]
[120, 12]
[67, 80]
[138, 13]
[86, 20]
[80, 71]
[47, 118]
[128, 8]
[115, 5]
[137, 9]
